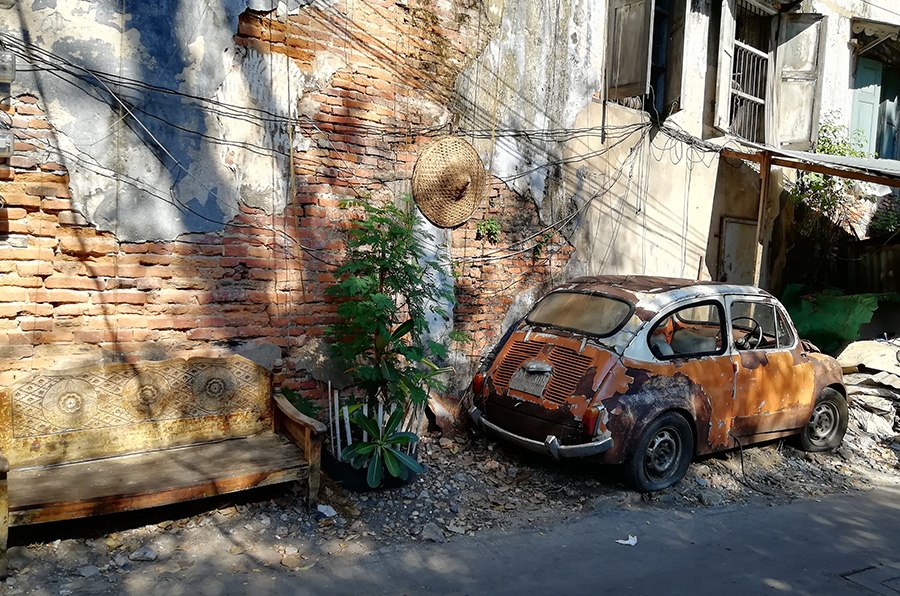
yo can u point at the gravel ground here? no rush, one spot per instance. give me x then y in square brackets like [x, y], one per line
[469, 486]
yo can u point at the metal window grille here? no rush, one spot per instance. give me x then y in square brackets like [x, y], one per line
[749, 77]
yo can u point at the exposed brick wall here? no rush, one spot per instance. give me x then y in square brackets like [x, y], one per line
[68, 291]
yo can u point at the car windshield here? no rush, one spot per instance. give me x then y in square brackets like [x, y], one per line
[595, 314]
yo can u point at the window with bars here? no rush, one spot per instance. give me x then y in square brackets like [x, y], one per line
[749, 74]
[769, 72]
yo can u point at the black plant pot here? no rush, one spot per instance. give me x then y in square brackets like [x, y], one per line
[355, 480]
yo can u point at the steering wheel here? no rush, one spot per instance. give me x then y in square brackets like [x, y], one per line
[747, 342]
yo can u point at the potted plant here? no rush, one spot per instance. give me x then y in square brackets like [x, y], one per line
[386, 288]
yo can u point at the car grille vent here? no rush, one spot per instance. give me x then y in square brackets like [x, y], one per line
[568, 368]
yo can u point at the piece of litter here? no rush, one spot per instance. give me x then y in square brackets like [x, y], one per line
[632, 540]
[327, 510]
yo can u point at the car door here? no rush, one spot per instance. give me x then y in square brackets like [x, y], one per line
[773, 377]
[689, 357]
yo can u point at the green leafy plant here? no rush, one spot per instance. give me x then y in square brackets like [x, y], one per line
[383, 449]
[488, 229]
[387, 288]
[303, 404]
[824, 193]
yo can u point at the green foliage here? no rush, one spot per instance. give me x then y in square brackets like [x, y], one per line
[822, 192]
[383, 449]
[488, 229]
[304, 405]
[886, 222]
[541, 243]
[385, 293]
[387, 288]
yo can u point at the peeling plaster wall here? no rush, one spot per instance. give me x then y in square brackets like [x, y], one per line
[541, 67]
[144, 163]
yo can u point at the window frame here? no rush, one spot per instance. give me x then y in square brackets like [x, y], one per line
[671, 312]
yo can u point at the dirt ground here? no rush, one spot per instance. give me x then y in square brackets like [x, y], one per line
[469, 486]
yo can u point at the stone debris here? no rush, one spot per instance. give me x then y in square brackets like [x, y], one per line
[469, 487]
[145, 553]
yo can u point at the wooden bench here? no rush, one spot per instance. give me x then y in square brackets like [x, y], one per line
[121, 437]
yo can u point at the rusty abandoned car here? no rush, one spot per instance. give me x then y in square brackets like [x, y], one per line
[651, 372]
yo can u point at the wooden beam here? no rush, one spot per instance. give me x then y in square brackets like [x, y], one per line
[765, 170]
[832, 171]
[732, 154]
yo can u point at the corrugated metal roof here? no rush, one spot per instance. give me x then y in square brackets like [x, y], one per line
[870, 165]
[889, 168]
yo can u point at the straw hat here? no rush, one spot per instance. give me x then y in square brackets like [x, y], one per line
[448, 182]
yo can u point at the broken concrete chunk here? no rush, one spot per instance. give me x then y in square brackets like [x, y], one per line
[145, 553]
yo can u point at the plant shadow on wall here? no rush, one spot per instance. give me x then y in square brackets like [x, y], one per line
[384, 294]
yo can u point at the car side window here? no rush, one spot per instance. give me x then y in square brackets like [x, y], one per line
[694, 330]
[753, 325]
[785, 331]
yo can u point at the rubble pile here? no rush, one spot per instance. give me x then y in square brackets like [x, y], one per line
[872, 379]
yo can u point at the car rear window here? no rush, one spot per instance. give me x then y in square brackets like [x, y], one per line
[595, 314]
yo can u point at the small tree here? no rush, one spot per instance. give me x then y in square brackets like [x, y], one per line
[821, 192]
[386, 289]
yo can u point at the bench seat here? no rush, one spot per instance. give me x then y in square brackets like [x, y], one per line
[120, 437]
[139, 480]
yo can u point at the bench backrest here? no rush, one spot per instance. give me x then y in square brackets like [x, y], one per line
[55, 417]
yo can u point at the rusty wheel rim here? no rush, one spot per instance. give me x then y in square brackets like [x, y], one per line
[823, 422]
[662, 455]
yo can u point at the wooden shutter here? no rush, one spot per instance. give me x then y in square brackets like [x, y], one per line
[628, 39]
[726, 56]
[798, 68]
[866, 97]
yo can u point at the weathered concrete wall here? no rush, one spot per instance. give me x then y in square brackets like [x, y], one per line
[170, 123]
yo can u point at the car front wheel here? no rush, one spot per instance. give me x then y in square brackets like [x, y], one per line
[827, 424]
[663, 454]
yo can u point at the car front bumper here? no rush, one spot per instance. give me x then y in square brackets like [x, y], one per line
[550, 445]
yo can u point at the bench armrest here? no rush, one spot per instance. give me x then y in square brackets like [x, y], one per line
[287, 410]
[306, 433]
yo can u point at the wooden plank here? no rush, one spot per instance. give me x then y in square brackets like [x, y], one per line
[149, 479]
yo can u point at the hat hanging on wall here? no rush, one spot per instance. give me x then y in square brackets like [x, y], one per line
[448, 182]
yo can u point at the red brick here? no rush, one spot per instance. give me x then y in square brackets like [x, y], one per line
[60, 296]
[74, 282]
[20, 200]
[55, 205]
[88, 245]
[35, 324]
[20, 282]
[119, 297]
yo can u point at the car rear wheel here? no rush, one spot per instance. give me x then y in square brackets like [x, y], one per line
[827, 424]
[663, 454]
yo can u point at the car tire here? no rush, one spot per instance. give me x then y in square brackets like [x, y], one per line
[827, 423]
[662, 455]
